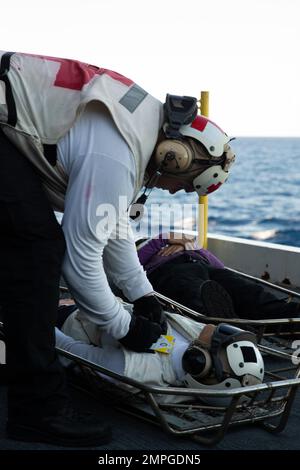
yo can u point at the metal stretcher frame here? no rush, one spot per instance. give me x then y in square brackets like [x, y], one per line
[206, 424]
[263, 328]
[195, 419]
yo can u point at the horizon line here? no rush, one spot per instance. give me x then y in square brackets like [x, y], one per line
[267, 136]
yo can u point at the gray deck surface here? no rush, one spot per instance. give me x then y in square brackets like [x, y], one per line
[129, 433]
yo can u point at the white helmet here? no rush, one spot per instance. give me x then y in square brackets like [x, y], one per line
[215, 142]
[208, 134]
[175, 155]
[230, 360]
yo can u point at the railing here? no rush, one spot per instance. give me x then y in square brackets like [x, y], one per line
[203, 200]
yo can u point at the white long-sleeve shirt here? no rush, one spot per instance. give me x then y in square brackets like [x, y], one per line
[111, 355]
[84, 340]
[100, 168]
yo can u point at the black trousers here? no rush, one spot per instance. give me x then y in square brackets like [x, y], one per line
[180, 279]
[31, 251]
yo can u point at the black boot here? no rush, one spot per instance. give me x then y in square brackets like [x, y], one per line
[67, 428]
[216, 300]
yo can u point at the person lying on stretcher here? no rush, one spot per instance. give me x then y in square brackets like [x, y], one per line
[178, 268]
[191, 354]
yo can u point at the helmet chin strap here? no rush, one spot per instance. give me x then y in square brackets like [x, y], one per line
[141, 200]
[179, 110]
[147, 191]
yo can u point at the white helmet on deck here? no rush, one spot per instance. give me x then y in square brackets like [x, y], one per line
[229, 359]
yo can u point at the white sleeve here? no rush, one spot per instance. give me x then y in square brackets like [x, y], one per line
[110, 358]
[99, 179]
[126, 272]
[79, 348]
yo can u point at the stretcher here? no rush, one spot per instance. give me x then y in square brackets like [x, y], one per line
[279, 332]
[189, 413]
[184, 412]
[269, 405]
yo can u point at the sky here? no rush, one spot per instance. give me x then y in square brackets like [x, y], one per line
[244, 52]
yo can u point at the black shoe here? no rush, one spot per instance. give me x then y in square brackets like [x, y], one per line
[68, 428]
[216, 300]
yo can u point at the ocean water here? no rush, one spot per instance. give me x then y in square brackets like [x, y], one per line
[260, 200]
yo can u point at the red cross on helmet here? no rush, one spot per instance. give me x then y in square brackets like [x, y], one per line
[215, 141]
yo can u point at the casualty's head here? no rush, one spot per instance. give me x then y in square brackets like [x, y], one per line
[223, 357]
[192, 152]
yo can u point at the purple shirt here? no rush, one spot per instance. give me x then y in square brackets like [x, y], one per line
[151, 260]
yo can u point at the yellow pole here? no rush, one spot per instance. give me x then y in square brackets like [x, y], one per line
[203, 200]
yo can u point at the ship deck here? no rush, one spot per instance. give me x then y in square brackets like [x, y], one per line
[131, 433]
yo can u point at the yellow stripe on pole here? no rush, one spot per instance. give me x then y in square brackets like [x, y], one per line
[203, 200]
